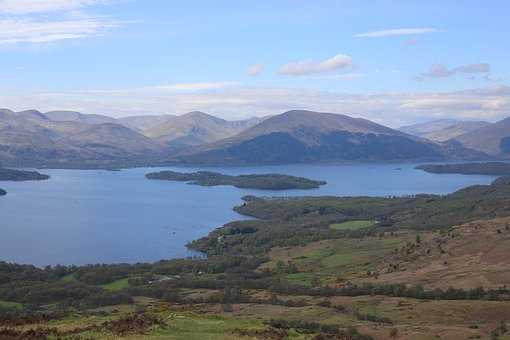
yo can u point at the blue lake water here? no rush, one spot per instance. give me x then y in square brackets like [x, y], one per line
[96, 216]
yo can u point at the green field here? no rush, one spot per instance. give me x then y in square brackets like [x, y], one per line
[116, 285]
[10, 305]
[352, 225]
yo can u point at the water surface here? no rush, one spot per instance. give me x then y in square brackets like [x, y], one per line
[96, 216]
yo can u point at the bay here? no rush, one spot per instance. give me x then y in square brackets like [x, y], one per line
[97, 216]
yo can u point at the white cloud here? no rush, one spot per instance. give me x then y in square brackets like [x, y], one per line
[43, 6]
[235, 102]
[299, 68]
[33, 31]
[442, 71]
[255, 70]
[42, 21]
[396, 32]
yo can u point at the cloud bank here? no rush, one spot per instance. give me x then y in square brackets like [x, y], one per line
[232, 101]
[442, 71]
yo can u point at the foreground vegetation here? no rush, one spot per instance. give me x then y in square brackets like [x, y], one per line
[264, 182]
[21, 175]
[487, 168]
[418, 267]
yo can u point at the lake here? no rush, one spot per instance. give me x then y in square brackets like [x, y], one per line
[95, 216]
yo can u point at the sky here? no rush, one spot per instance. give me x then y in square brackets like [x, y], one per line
[395, 62]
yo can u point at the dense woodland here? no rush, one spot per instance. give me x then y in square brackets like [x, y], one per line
[263, 182]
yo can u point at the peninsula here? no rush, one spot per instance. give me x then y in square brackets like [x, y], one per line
[486, 168]
[21, 175]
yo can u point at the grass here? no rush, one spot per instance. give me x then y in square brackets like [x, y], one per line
[10, 305]
[69, 277]
[116, 285]
[300, 278]
[352, 225]
[337, 259]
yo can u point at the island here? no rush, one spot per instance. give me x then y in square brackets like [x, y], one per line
[486, 168]
[3, 192]
[21, 175]
[263, 181]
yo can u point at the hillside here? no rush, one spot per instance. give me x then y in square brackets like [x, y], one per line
[30, 138]
[115, 141]
[305, 136]
[443, 129]
[195, 128]
[144, 123]
[470, 255]
[493, 139]
[72, 116]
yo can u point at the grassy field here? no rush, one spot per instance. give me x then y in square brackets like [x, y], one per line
[117, 285]
[352, 225]
[10, 305]
[333, 260]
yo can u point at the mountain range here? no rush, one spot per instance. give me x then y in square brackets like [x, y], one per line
[73, 139]
[442, 130]
[306, 136]
[490, 138]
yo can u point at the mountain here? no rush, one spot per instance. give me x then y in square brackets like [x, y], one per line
[72, 116]
[196, 128]
[114, 141]
[493, 139]
[30, 138]
[306, 136]
[442, 129]
[144, 123]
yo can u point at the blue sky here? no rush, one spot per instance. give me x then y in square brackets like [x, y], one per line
[395, 62]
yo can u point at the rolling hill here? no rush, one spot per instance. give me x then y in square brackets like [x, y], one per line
[443, 129]
[306, 136]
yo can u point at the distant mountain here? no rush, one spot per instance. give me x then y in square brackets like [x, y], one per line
[493, 139]
[443, 129]
[72, 116]
[196, 128]
[144, 123]
[31, 138]
[306, 136]
[68, 138]
[114, 141]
